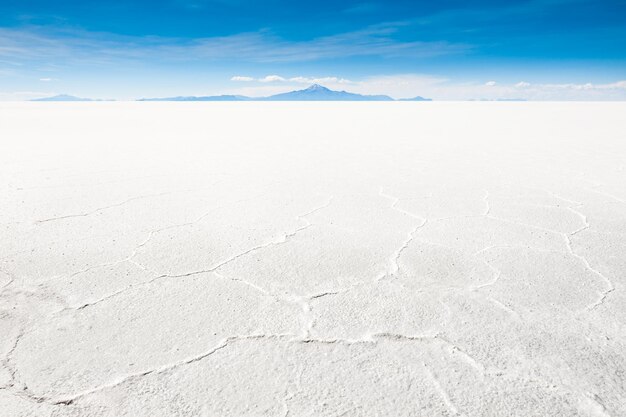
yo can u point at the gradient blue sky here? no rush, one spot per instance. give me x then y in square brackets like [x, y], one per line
[446, 49]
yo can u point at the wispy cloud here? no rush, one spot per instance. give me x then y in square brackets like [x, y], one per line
[263, 46]
[529, 91]
[619, 85]
[321, 80]
[34, 44]
[241, 78]
[300, 79]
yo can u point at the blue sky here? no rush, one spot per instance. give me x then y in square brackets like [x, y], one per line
[446, 49]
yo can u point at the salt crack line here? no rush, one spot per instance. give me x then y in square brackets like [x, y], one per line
[283, 239]
[129, 258]
[304, 302]
[306, 315]
[568, 245]
[442, 392]
[596, 404]
[394, 205]
[287, 337]
[487, 205]
[213, 269]
[609, 284]
[503, 307]
[159, 277]
[374, 338]
[395, 267]
[610, 287]
[69, 216]
[248, 283]
[583, 218]
[454, 349]
[370, 339]
[11, 280]
[8, 359]
[151, 234]
[492, 247]
[166, 368]
[557, 196]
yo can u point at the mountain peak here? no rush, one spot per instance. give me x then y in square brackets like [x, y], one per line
[318, 92]
[317, 87]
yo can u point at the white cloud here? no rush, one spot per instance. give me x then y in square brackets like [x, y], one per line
[490, 83]
[619, 85]
[300, 80]
[272, 79]
[241, 78]
[522, 84]
[322, 80]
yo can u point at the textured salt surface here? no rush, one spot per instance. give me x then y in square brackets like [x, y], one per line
[313, 259]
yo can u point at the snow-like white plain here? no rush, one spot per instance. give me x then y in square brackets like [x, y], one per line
[312, 259]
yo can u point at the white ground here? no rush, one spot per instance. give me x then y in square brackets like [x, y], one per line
[313, 259]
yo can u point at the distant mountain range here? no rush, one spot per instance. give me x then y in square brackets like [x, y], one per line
[63, 97]
[313, 93]
[318, 93]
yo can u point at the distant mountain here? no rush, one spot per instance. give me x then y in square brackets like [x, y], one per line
[418, 98]
[62, 97]
[318, 93]
[201, 98]
[313, 93]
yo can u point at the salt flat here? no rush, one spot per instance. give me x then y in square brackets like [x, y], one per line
[313, 259]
